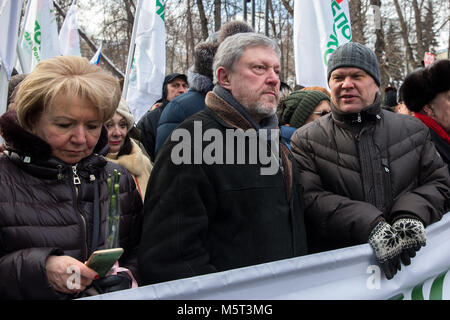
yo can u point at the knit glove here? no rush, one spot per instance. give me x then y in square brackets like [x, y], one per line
[412, 237]
[387, 246]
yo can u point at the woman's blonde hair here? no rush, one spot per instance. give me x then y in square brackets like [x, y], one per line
[65, 75]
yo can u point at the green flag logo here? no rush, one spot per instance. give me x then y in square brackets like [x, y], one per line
[160, 8]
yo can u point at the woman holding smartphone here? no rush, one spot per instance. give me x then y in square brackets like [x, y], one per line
[53, 183]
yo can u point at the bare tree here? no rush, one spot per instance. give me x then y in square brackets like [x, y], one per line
[203, 20]
[217, 14]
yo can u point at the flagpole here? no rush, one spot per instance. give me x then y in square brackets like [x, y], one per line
[22, 32]
[131, 50]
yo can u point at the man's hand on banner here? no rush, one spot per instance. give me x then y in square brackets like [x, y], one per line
[412, 237]
[388, 247]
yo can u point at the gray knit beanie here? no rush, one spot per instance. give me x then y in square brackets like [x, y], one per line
[299, 105]
[355, 55]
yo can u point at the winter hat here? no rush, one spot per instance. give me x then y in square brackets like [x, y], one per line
[390, 97]
[232, 27]
[422, 85]
[124, 111]
[299, 105]
[203, 58]
[354, 55]
[168, 79]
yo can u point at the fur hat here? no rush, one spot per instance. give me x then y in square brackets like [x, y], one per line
[203, 58]
[124, 111]
[422, 85]
[356, 55]
[232, 27]
[299, 105]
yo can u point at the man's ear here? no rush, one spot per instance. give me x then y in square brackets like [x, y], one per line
[427, 110]
[223, 77]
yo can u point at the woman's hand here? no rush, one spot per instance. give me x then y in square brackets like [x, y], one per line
[68, 275]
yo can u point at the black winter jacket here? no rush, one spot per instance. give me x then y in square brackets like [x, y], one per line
[42, 214]
[357, 173]
[202, 218]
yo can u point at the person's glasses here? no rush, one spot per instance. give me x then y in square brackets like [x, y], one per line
[321, 113]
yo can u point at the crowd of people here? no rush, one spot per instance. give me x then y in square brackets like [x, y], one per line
[231, 168]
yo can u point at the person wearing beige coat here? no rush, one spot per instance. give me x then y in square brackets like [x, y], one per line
[124, 150]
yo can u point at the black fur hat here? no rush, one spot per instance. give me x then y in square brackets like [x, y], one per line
[203, 58]
[422, 85]
[232, 27]
[439, 73]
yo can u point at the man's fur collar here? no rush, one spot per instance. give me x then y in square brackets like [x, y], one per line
[227, 113]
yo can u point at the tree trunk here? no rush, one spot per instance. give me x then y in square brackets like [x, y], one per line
[380, 44]
[203, 20]
[419, 29]
[358, 20]
[190, 30]
[217, 16]
[404, 32]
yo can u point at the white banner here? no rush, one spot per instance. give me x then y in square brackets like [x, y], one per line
[320, 26]
[69, 39]
[148, 68]
[40, 40]
[9, 21]
[344, 274]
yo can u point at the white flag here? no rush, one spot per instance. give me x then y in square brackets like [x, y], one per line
[69, 39]
[149, 63]
[320, 26]
[96, 58]
[9, 22]
[40, 40]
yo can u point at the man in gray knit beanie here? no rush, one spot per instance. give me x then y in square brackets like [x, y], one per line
[368, 173]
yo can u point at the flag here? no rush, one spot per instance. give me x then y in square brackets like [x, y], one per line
[40, 38]
[146, 75]
[96, 58]
[320, 26]
[69, 39]
[9, 21]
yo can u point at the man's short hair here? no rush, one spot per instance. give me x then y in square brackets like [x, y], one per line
[231, 49]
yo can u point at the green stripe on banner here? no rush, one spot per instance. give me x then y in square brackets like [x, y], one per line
[437, 287]
[417, 293]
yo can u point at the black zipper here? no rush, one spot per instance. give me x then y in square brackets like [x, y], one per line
[77, 181]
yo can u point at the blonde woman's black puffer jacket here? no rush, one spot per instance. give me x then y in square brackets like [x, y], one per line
[42, 213]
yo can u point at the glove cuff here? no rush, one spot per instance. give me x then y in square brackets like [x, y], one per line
[385, 242]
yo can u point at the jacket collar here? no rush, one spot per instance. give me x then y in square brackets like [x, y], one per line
[368, 114]
[34, 154]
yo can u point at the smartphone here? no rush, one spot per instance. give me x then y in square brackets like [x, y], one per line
[102, 260]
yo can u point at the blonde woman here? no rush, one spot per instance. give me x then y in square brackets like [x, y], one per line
[53, 184]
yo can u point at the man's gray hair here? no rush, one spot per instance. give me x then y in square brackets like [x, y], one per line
[231, 49]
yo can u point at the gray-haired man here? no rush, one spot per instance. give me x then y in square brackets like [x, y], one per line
[223, 193]
[369, 175]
